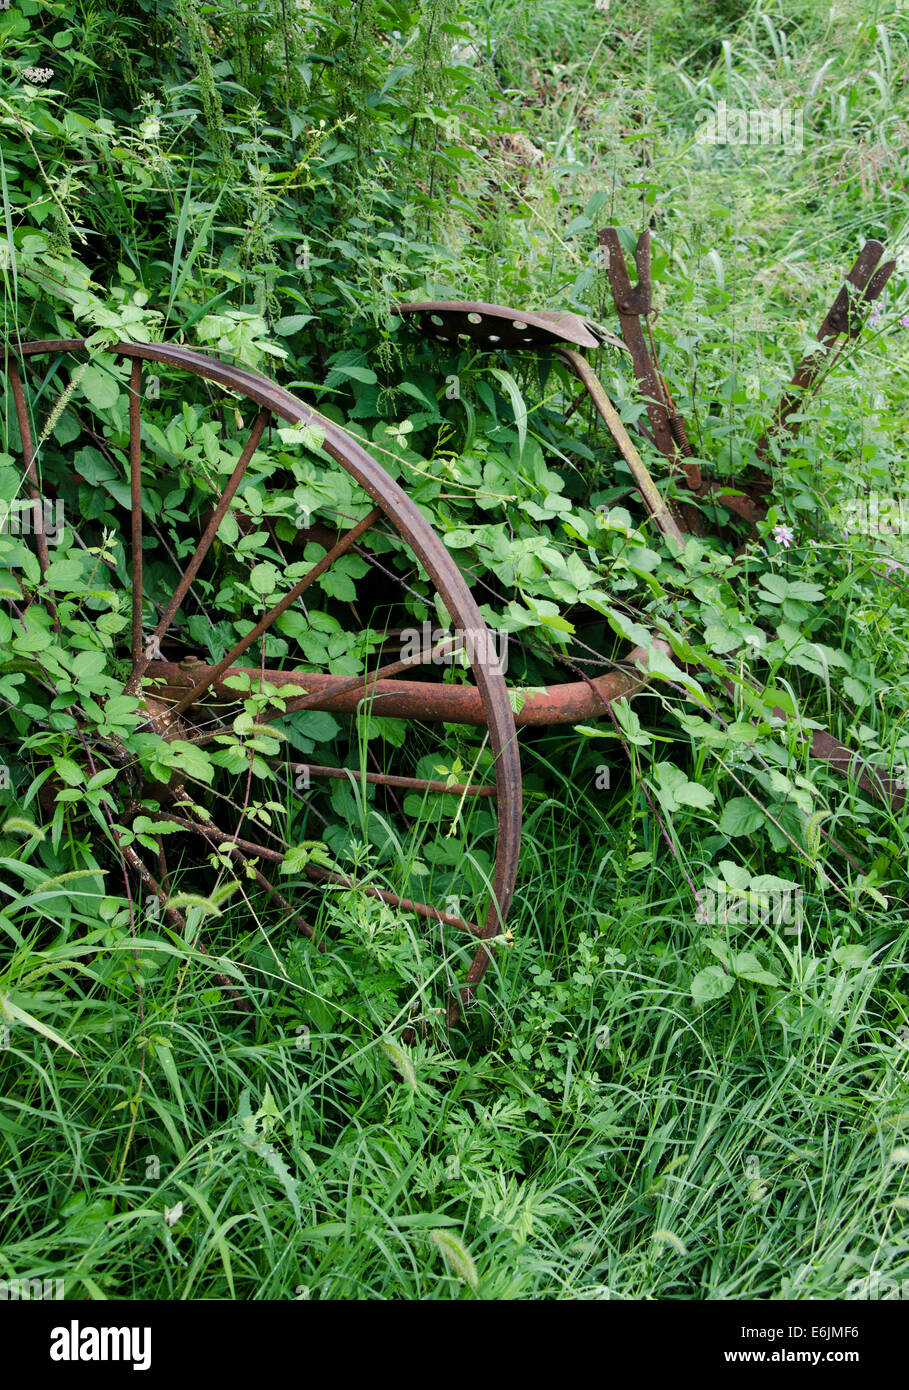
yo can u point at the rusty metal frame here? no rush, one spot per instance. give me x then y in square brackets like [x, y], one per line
[864, 283]
[486, 704]
[565, 703]
[633, 304]
[558, 333]
[407, 520]
[450, 321]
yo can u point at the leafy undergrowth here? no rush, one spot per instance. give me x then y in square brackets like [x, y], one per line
[685, 1074]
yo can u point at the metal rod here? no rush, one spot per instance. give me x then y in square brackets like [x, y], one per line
[650, 493]
[426, 701]
[347, 540]
[189, 574]
[388, 780]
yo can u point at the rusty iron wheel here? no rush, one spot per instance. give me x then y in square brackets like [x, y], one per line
[177, 694]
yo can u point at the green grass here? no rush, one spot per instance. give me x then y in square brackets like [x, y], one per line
[753, 1149]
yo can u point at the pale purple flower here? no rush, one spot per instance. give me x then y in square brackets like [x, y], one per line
[876, 314]
[783, 536]
[904, 321]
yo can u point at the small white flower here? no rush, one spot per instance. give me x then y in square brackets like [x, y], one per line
[150, 128]
[37, 75]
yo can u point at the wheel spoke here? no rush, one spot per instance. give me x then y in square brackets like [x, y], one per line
[209, 830]
[189, 574]
[347, 540]
[448, 919]
[313, 871]
[383, 779]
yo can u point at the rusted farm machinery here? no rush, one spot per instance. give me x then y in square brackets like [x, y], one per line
[185, 697]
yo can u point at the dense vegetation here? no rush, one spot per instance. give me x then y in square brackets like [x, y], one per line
[642, 1104]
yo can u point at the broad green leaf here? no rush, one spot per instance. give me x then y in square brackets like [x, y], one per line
[734, 875]
[711, 983]
[69, 772]
[675, 790]
[741, 816]
[630, 725]
[852, 957]
[100, 387]
[264, 578]
[748, 967]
